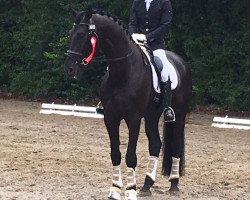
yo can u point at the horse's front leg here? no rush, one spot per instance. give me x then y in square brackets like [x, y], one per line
[133, 124]
[113, 131]
[152, 132]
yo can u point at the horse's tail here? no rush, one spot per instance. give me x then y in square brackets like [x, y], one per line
[168, 148]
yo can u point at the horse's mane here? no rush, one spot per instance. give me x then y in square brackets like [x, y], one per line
[118, 21]
[114, 18]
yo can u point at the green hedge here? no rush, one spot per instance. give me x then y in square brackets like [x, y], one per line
[213, 36]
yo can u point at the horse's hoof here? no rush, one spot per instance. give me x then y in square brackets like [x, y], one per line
[130, 195]
[114, 193]
[144, 193]
[174, 191]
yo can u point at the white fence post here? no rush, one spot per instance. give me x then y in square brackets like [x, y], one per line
[226, 122]
[79, 111]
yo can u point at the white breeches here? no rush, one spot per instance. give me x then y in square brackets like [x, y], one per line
[168, 71]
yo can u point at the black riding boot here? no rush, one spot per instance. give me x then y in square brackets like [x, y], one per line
[168, 113]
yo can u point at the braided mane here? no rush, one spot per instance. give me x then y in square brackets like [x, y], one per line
[119, 22]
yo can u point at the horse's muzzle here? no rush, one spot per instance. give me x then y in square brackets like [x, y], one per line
[71, 68]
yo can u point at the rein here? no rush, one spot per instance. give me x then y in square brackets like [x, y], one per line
[99, 59]
[93, 41]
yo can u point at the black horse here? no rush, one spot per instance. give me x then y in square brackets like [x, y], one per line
[127, 93]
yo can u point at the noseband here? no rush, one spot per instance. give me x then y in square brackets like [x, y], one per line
[93, 40]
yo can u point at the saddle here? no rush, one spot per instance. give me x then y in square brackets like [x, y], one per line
[150, 60]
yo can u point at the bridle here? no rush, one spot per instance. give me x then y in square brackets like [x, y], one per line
[93, 40]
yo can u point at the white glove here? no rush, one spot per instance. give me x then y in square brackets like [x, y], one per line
[139, 38]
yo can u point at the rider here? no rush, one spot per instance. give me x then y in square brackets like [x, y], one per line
[149, 22]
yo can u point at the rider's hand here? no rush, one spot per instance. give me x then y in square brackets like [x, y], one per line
[139, 38]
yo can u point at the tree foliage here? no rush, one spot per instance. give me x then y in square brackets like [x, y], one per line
[213, 36]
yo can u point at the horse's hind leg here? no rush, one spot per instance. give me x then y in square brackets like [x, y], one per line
[152, 132]
[174, 158]
[113, 131]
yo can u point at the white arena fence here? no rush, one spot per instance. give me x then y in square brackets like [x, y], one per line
[79, 111]
[226, 122]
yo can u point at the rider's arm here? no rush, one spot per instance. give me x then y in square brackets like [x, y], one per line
[133, 25]
[166, 18]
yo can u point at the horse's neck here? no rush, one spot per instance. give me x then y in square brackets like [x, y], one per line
[115, 44]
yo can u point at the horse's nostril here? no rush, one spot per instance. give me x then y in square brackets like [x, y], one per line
[70, 70]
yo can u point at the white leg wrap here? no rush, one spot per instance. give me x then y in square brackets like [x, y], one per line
[117, 177]
[152, 167]
[131, 181]
[130, 195]
[175, 169]
[115, 193]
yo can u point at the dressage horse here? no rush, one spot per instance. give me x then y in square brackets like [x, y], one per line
[127, 93]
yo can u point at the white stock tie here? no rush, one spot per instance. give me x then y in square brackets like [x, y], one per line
[148, 3]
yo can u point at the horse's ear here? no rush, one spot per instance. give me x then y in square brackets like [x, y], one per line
[72, 11]
[89, 12]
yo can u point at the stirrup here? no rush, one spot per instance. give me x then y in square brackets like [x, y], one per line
[99, 108]
[169, 115]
